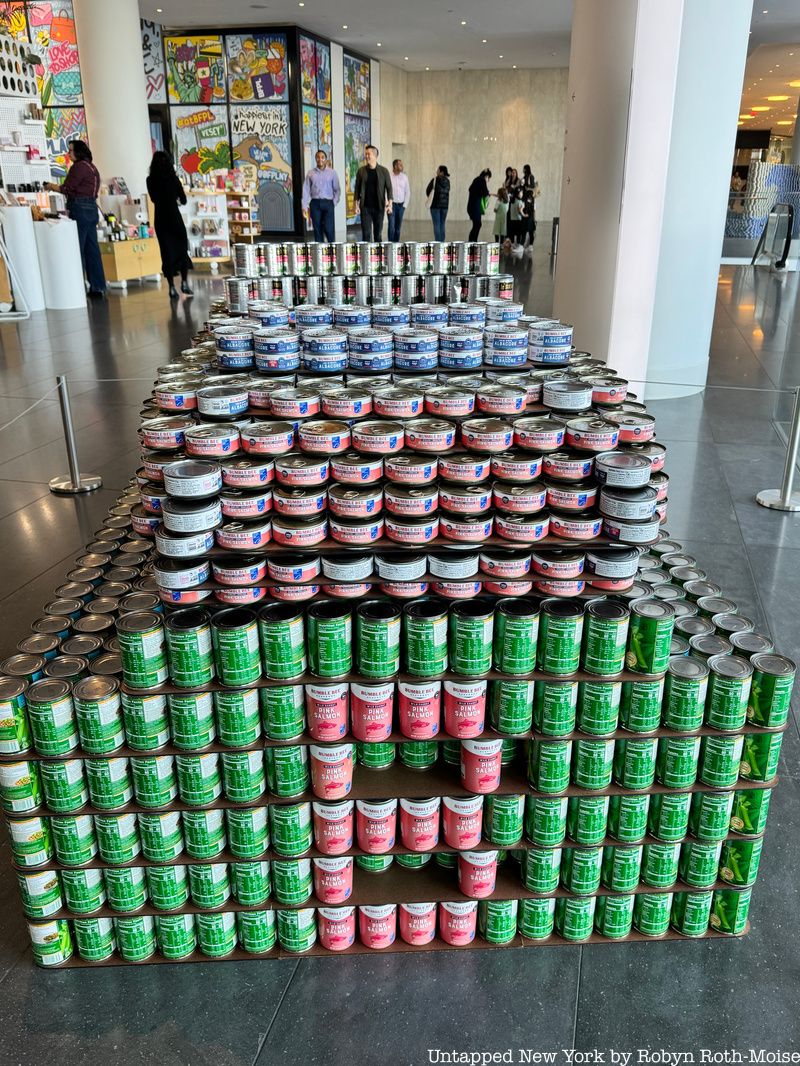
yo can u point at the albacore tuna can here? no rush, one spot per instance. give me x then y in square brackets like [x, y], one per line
[622, 470]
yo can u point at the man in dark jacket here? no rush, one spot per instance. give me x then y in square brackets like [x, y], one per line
[373, 195]
[477, 201]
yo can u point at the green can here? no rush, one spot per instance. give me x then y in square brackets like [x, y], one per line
[74, 840]
[685, 689]
[660, 864]
[329, 641]
[640, 705]
[587, 819]
[613, 916]
[191, 716]
[425, 638]
[291, 828]
[297, 930]
[51, 942]
[199, 778]
[41, 893]
[94, 938]
[209, 884]
[598, 707]
[109, 782]
[64, 785]
[729, 909]
[770, 691]
[251, 882]
[418, 754]
[592, 763]
[470, 637]
[234, 636]
[511, 706]
[146, 722]
[580, 870]
[739, 861]
[20, 786]
[247, 832]
[161, 836]
[98, 713]
[497, 920]
[545, 820]
[555, 707]
[287, 770]
[281, 630]
[750, 809]
[677, 761]
[176, 935]
[503, 819]
[189, 652]
[621, 868]
[84, 890]
[558, 651]
[690, 912]
[377, 639]
[292, 881]
[669, 816]
[535, 918]
[575, 918]
[204, 833]
[126, 888]
[413, 862]
[710, 815]
[238, 717]
[699, 864]
[136, 937]
[143, 649]
[51, 717]
[283, 711]
[154, 781]
[635, 763]
[31, 842]
[244, 776]
[516, 632]
[760, 753]
[381, 756]
[216, 934]
[15, 736]
[257, 933]
[549, 765]
[720, 758]
[541, 868]
[605, 637]
[117, 837]
[649, 636]
[451, 753]
[728, 692]
[379, 864]
[651, 913]
[167, 887]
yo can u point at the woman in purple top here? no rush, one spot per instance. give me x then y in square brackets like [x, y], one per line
[81, 186]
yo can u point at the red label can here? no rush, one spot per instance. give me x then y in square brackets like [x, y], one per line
[333, 880]
[480, 765]
[419, 823]
[457, 922]
[464, 708]
[333, 827]
[376, 825]
[377, 926]
[477, 873]
[371, 708]
[420, 707]
[336, 927]
[462, 821]
[417, 922]
[332, 770]
[326, 711]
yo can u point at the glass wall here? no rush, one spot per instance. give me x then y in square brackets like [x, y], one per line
[357, 124]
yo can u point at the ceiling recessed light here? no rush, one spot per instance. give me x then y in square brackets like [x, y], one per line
[344, 27]
[160, 9]
[499, 57]
[463, 22]
[760, 109]
[794, 84]
[301, 4]
[513, 66]
[765, 12]
[406, 58]
[380, 45]
[777, 97]
[745, 116]
[785, 122]
[427, 68]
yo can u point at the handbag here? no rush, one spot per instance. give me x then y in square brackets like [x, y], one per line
[62, 28]
[429, 197]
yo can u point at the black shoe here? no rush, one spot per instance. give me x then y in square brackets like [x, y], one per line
[186, 290]
[96, 294]
[173, 293]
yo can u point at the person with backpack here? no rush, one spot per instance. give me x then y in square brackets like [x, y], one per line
[477, 201]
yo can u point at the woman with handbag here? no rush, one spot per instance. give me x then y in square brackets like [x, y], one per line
[166, 192]
[438, 193]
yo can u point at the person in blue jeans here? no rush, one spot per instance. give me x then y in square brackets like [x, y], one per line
[321, 194]
[81, 186]
[401, 198]
[439, 191]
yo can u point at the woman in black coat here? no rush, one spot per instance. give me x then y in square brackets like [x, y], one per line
[439, 191]
[477, 201]
[166, 192]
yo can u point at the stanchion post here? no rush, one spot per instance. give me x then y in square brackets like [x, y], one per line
[74, 482]
[784, 498]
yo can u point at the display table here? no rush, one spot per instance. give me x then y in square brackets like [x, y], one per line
[125, 261]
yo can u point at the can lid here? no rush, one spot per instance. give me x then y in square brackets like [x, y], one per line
[685, 666]
[647, 608]
[776, 665]
[731, 666]
[138, 622]
[42, 643]
[11, 687]
[679, 646]
[670, 593]
[65, 666]
[562, 608]
[95, 688]
[22, 664]
[732, 623]
[607, 610]
[751, 643]
[82, 645]
[47, 690]
[519, 606]
[701, 589]
[710, 644]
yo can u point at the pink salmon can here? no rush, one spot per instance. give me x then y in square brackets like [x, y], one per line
[260, 396]
[420, 709]
[480, 765]
[592, 434]
[404, 590]
[356, 530]
[411, 500]
[333, 827]
[300, 531]
[380, 437]
[458, 922]
[350, 402]
[419, 823]
[417, 923]
[240, 597]
[503, 563]
[575, 526]
[332, 770]
[293, 593]
[609, 390]
[498, 398]
[464, 709]
[449, 401]
[238, 504]
[299, 502]
[571, 495]
[566, 466]
[326, 711]
[549, 586]
[486, 434]
[522, 527]
[660, 482]
[371, 709]
[468, 529]
[516, 466]
[519, 499]
[212, 441]
[144, 523]
[541, 433]
[561, 564]
[294, 569]
[336, 927]
[154, 463]
[152, 497]
[295, 403]
[653, 451]
[398, 401]
[376, 825]
[633, 428]
[508, 588]
[477, 873]
[349, 590]
[182, 597]
[351, 501]
[177, 396]
[238, 572]
[166, 434]
[268, 438]
[405, 469]
[301, 471]
[377, 926]
[661, 511]
[244, 536]
[456, 590]
[412, 530]
[462, 821]
[611, 584]
[352, 468]
[324, 437]
[464, 468]
[333, 879]
[249, 473]
[430, 434]
[465, 499]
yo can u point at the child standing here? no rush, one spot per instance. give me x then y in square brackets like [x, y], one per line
[501, 215]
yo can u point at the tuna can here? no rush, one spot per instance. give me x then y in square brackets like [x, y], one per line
[460, 468]
[677, 762]
[561, 630]
[429, 434]
[74, 840]
[243, 773]
[324, 437]
[51, 717]
[567, 395]
[628, 504]
[650, 636]
[621, 470]
[412, 530]
[267, 438]
[505, 344]
[189, 516]
[633, 428]
[486, 434]
[304, 532]
[591, 434]
[222, 401]
[728, 692]
[379, 437]
[234, 634]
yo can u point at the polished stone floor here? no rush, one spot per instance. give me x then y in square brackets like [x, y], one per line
[723, 447]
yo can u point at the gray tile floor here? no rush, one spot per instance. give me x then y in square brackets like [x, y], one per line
[723, 447]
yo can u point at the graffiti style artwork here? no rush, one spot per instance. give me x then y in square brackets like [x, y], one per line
[155, 74]
[200, 139]
[310, 136]
[62, 125]
[323, 75]
[12, 19]
[257, 67]
[356, 139]
[356, 86]
[262, 149]
[308, 70]
[324, 131]
[195, 70]
[52, 27]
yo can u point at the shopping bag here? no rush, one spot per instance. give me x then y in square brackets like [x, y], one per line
[62, 28]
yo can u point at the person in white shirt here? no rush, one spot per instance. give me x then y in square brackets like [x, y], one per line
[400, 199]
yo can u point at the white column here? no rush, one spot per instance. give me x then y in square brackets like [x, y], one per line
[375, 109]
[337, 126]
[112, 72]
